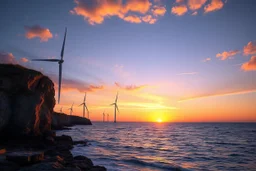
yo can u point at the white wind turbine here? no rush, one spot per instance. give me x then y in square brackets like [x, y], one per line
[60, 61]
[71, 109]
[84, 106]
[115, 107]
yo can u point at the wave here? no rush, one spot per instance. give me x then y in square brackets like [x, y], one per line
[155, 165]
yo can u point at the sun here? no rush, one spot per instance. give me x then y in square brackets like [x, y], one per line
[159, 120]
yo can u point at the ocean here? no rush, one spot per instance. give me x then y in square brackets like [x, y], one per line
[168, 146]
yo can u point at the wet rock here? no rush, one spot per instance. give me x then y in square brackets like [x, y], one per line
[98, 168]
[8, 166]
[25, 157]
[49, 166]
[83, 162]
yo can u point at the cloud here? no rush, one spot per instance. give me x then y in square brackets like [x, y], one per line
[149, 19]
[249, 66]
[70, 85]
[250, 48]
[7, 58]
[179, 10]
[194, 13]
[228, 93]
[214, 6]
[24, 60]
[96, 11]
[158, 10]
[37, 31]
[132, 19]
[188, 73]
[225, 55]
[206, 59]
[130, 87]
[196, 4]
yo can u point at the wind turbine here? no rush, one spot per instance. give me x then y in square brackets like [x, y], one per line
[61, 109]
[60, 61]
[71, 109]
[107, 117]
[84, 106]
[115, 107]
[103, 116]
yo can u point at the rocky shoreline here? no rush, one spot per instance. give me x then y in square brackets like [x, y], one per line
[27, 121]
[49, 152]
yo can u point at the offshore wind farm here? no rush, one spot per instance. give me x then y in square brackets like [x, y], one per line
[147, 85]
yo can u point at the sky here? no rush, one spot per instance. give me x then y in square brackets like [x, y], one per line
[169, 60]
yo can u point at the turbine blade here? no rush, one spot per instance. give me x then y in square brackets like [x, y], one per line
[47, 60]
[63, 45]
[81, 104]
[116, 97]
[84, 96]
[60, 74]
[112, 104]
[117, 108]
[86, 108]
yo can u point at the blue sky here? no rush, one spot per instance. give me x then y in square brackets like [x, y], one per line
[140, 54]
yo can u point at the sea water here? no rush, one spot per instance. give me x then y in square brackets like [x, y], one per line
[168, 146]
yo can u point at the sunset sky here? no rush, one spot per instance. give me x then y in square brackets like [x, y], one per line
[178, 61]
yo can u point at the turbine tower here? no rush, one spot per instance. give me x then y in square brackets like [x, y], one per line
[84, 106]
[60, 61]
[107, 117]
[71, 109]
[103, 116]
[115, 107]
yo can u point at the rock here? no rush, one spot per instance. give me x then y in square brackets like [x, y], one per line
[64, 142]
[60, 121]
[26, 101]
[8, 166]
[49, 166]
[5, 109]
[25, 157]
[83, 162]
[98, 168]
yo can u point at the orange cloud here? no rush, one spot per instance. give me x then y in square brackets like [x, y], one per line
[207, 59]
[225, 55]
[196, 4]
[214, 6]
[158, 10]
[96, 11]
[24, 60]
[130, 87]
[149, 19]
[250, 48]
[251, 65]
[7, 58]
[179, 10]
[228, 93]
[37, 31]
[141, 6]
[132, 19]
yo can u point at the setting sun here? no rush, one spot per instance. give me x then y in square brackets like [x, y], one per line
[159, 120]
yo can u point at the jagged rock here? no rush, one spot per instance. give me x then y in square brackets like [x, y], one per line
[83, 162]
[25, 157]
[26, 101]
[49, 166]
[97, 168]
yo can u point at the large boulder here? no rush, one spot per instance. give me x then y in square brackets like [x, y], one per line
[26, 101]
